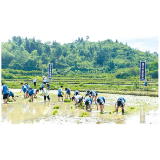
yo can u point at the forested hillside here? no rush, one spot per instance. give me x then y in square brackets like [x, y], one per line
[81, 56]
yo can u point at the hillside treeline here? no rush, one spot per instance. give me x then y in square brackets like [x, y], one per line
[81, 56]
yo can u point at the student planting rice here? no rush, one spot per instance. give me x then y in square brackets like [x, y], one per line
[87, 93]
[48, 86]
[42, 85]
[76, 93]
[77, 99]
[44, 79]
[60, 92]
[100, 101]
[24, 89]
[47, 80]
[45, 94]
[27, 86]
[88, 103]
[120, 103]
[68, 92]
[93, 94]
[11, 94]
[33, 92]
[5, 92]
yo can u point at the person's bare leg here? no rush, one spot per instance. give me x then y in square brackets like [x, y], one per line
[32, 98]
[5, 100]
[13, 98]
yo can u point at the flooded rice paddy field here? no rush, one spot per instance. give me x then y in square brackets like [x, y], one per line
[145, 111]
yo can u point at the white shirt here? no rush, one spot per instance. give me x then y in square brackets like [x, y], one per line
[34, 91]
[88, 101]
[45, 92]
[101, 101]
[123, 102]
[34, 80]
[77, 98]
[44, 80]
[24, 86]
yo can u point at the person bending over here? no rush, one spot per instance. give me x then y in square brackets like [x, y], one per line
[45, 93]
[76, 93]
[87, 93]
[120, 103]
[100, 101]
[94, 95]
[12, 94]
[33, 92]
[88, 103]
[68, 93]
[77, 99]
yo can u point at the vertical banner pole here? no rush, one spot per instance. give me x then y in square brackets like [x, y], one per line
[145, 69]
[139, 74]
[50, 71]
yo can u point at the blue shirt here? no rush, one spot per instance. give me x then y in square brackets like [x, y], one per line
[93, 93]
[88, 93]
[59, 91]
[24, 88]
[27, 87]
[68, 90]
[88, 99]
[11, 93]
[122, 100]
[145, 83]
[102, 100]
[42, 85]
[33, 91]
[5, 89]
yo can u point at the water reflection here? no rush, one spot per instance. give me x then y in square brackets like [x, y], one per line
[142, 115]
[24, 112]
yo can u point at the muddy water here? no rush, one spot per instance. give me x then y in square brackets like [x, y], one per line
[145, 111]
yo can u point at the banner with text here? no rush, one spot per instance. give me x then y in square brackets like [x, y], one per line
[142, 70]
[50, 70]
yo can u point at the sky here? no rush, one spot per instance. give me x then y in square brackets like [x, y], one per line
[141, 42]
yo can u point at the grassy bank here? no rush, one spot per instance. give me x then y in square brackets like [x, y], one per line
[104, 83]
[111, 89]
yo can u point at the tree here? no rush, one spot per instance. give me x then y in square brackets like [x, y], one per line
[87, 37]
[153, 66]
[27, 45]
[19, 40]
[14, 38]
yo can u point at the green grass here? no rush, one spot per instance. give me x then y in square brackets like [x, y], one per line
[10, 100]
[110, 84]
[83, 114]
[55, 112]
[131, 107]
[56, 107]
[67, 100]
[81, 105]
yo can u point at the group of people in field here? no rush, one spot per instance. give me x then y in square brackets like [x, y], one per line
[27, 90]
[88, 99]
